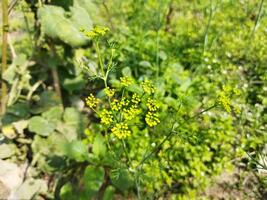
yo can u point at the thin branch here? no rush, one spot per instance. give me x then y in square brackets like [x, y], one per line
[12, 5]
[4, 53]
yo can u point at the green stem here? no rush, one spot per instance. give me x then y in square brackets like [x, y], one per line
[101, 62]
[207, 28]
[4, 53]
[126, 153]
[258, 18]
[157, 55]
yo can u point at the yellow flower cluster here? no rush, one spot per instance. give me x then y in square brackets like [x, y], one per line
[224, 101]
[106, 117]
[91, 101]
[121, 130]
[152, 119]
[126, 81]
[135, 99]
[148, 87]
[117, 105]
[97, 31]
[109, 92]
[152, 105]
[131, 113]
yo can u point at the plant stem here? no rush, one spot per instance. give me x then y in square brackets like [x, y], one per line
[257, 19]
[100, 62]
[4, 53]
[56, 77]
[207, 28]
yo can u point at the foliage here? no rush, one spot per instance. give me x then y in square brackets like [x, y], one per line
[134, 99]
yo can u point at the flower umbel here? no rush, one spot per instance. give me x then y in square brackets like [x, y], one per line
[131, 113]
[97, 32]
[224, 101]
[148, 87]
[152, 105]
[152, 119]
[106, 117]
[91, 101]
[126, 81]
[121, 130]
[109, 92]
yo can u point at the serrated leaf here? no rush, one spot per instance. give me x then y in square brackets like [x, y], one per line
[41, 126]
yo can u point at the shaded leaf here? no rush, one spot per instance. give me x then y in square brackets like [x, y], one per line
[41, 126]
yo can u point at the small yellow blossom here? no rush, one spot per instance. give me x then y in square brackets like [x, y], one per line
[224, 101]
[115, 105]
[152, 119]
[135, 98]
[227, 89]
[152, 105]
[109, 92]
[96, 32]
[126, 81]
[131, 112]
[148, 87]
[124, 102]
[91, 101]
[121, 130]
[106, 117]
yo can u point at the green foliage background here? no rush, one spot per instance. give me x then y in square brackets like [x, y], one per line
[189, 49]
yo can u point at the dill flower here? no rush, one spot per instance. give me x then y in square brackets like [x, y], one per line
[121, 130]
[106, 117]
[152, 119]
[126, 81]
[124, 102]
[131, 113]
[115, 105]
[109, 92]
[148, 87]
[135, 98]
[96, 32]
[224, 101]
[152, 105]
[91, 101]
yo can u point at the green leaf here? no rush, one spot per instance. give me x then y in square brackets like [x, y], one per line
[80, 18]
[48, 99]
[57, 26]
[77, 151]
[122, 179]
[31, 188]
[109, 193]
[41, 126]
[93, 178]
[7, 150]
[73, 118]
[53, 114]
[91, 8]
[99, 146]
[74, 84]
